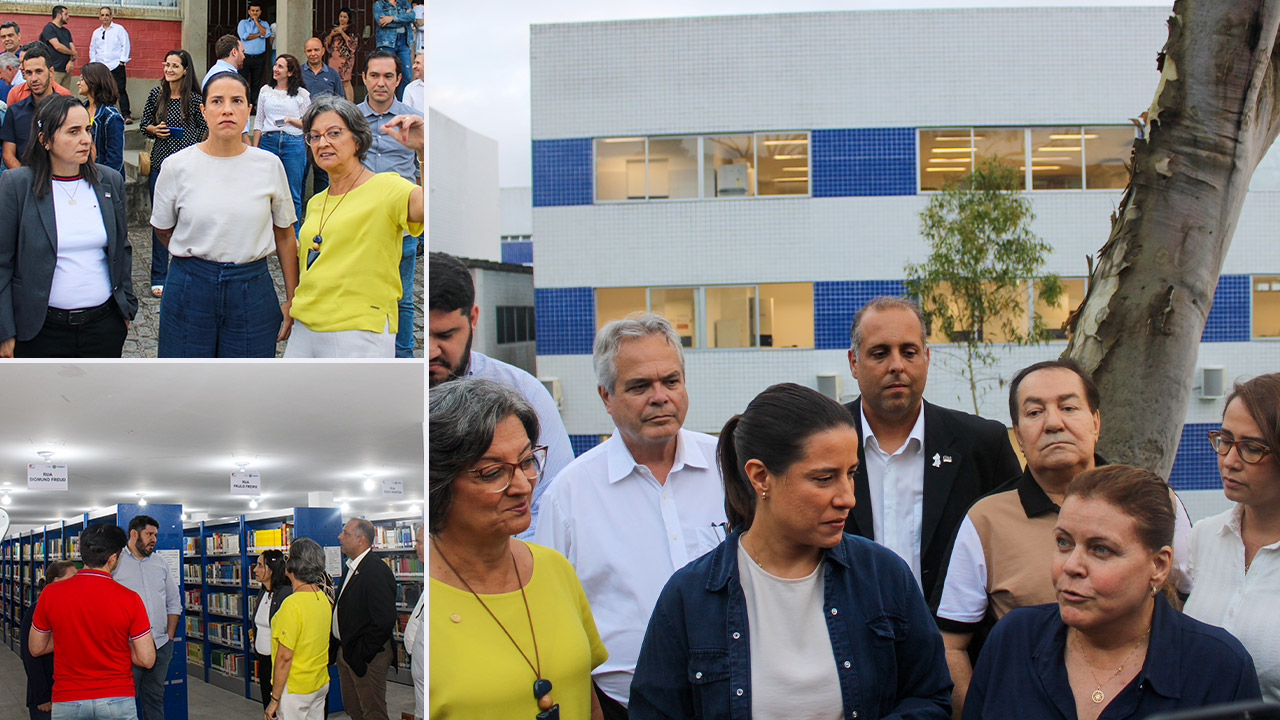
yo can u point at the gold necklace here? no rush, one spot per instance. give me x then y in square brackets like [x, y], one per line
[71, 196]
[1098, 696]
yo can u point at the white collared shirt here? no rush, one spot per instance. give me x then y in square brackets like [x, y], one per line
[896, 482]
[625, 534]
[1244, 604]
[352, 564]
[109, 46]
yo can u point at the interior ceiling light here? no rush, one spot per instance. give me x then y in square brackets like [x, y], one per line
[368, 481]
[618, 140]
[253, 504]
[952, 150]
[946, 169]
[1053, 148]
[5, 499]
[413, 509]
[142, 500]
[1072, 137]
[792, 142]
[949, 160]
[45, 455]
[790, 157]
[242, 464]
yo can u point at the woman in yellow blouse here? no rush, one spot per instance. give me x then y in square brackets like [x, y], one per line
[511, 634]
[349, 248]
[300, 638]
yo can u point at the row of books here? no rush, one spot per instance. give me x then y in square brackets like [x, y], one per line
[222, 543]
[403, 564]
[223, 572]
[407, 595]
[228, 633]
[195, 626]
[191, 573]
[399, 537]
[229, 662]
[195, 653]
[191, 598]
[224, 603]
[190, 546]
[277, 537]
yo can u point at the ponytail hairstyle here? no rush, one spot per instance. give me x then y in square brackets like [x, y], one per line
[773, 429]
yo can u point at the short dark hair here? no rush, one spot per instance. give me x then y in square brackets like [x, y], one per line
[376, 54]
[102, 86]
[451, 285]
[11, 24]
[36, 49]
[1261, 397]
[99, 542]
[879, 304]
[57, 10]
[58, 568]
[108, 9]
[142, 522]
[773, 429]
[253, 4]
[1091, 396]
[224, 75]
[225, 45]
[363, 528]
[274, 560]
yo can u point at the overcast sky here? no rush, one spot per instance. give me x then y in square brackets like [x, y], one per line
[478, 51]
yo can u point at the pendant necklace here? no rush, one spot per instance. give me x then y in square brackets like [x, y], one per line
[1098, 696]
[314, 252]
[541, 686]
[71, 195]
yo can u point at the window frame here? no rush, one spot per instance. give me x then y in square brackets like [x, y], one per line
[1026, 154]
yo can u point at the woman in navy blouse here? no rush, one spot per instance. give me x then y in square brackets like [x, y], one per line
[1113, 646]
[789, 617]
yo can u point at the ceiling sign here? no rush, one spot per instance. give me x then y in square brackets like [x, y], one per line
[4, 523]
[246, 483]
[42, 476]
[392, 488]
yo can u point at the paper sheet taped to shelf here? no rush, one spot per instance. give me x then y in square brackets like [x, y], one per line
[333, 560]
[173, 558]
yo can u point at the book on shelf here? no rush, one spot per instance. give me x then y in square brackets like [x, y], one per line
[403, 565]
[269, 538]
[224, 603]
[222, 543]
[224, 572]
[195, 653]
[190, 546]
[191, 598]
[399, 537]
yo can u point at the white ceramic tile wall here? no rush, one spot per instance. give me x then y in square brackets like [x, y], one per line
[464, 191]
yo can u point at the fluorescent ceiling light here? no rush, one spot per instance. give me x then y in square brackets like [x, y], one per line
[618, 140]
[950, 160]
[1071, 137]
[797, 169]
[803, 179]
[952, 150]
[1043, 167]
[1051, 148]
[787, 142]
[946, 169]
[1055, 157]
[790, 157]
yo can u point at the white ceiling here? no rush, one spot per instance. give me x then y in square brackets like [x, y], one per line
[174, 430]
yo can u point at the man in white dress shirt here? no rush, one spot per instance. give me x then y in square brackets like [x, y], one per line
[110, 46]
[631, 511]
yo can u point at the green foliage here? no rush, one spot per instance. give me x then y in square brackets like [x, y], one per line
[982, 252]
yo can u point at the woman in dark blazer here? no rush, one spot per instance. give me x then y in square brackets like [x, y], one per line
[66, 287]
[269, 572]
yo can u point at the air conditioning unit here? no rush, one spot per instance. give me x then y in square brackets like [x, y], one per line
[553, 388]
[1213, 382]
[829, 385]
[731, 180]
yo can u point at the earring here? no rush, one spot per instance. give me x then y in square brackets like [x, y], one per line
[1154, 589]
[764, 495]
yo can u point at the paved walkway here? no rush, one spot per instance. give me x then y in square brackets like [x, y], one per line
[141, 342]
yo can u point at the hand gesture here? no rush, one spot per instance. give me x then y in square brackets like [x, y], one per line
[385, 20]
[408, 130]
[6, 347]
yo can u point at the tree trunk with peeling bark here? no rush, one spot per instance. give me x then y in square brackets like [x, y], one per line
[1214, 115]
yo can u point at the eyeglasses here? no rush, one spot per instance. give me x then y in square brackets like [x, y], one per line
[332, 136]
[1250, 451]
[496, 477]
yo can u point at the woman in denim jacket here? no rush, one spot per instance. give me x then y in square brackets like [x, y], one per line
[789, 617]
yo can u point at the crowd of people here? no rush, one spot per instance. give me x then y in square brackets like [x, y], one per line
[66, 265]
[888, 557]
[114, 621]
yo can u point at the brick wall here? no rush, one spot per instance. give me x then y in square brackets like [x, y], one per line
[150, 39]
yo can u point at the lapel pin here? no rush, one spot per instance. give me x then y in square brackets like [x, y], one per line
[108, 194]
[937, 460]
[946, 458]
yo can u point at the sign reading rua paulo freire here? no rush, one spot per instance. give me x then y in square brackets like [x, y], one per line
[246, 483]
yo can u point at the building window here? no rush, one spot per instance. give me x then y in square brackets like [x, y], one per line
[1055, 316]
[515, 324]
[702, 167]
[1266, 306]
[767, 315]
[1050, 158]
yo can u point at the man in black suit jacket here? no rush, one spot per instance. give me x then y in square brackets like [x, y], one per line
[363, 618]
[927, 463]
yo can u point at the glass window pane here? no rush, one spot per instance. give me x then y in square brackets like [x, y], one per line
[993, 328]
[1005, 144]
[1056, 158]
[784, 164]
[619, 167]
[673, 168]
[1055, 316]
[731, 317]
[944, 155]
[1266, 306]
[728, 166]
[786, 315]
[522, 324]
[1106, 150]
[617, 303]
[679, 307]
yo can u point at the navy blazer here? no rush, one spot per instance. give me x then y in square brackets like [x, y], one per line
[695, 662]
[1189, 664]
[366, 610]
[29, 250]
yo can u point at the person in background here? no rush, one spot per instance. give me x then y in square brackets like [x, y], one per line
[40, 669]
[230, 53]
[269, 571]
[109, 45]
[57, 36]
[8, 76]
[415, 93]
[15, 132]
[172, 117]
[415, 638]
[381, 76]
[300, 638]
[1112, 645]
[76, 295]
[147, 574]
[100, 629]
[254, 31]
[98, 89]
[790, 617]
[278, 127]
[393, 31]
[484, 466]
[419, 27]
[1235, 556]
[11, 43]
[320, 79]
[364, 616]
[340, 43]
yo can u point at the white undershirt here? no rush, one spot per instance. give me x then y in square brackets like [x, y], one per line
[262, 620]
[81, 278]
[793, 668]
[896, 482]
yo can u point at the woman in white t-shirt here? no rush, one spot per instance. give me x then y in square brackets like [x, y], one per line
[277, 127]
[269, 572]
[221, 208]
[66, 286]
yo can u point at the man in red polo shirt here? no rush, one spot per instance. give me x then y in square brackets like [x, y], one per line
[101, 630]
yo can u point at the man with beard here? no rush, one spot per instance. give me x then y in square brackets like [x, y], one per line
[15, 132]
[148, 574]
[451, 325]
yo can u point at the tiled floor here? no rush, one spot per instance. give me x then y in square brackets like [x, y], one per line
[204, 701]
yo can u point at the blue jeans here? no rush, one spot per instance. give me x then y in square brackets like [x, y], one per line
[223, 310]
[159, 253]
[116, 708]
[293, 154]
[148, 684]
[404, 333]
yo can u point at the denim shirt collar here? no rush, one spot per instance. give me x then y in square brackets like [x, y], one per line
[723, 565]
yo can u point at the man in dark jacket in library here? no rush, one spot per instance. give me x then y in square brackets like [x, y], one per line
[363, 618]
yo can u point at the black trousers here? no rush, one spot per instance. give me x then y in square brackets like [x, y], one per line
[612, 709]
[264, 677]
[97, 334]
[123, 102]
[252, 72]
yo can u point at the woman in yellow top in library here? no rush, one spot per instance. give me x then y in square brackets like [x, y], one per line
[511, 632]
[346, 304]
[300, 638]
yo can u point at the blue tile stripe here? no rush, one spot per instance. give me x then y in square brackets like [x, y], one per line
[562, 172]
[834, 304]
[518, 253]
[863, 162]
[1195, 466]
[583, 443]
[565, 320]
[1228, 319]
